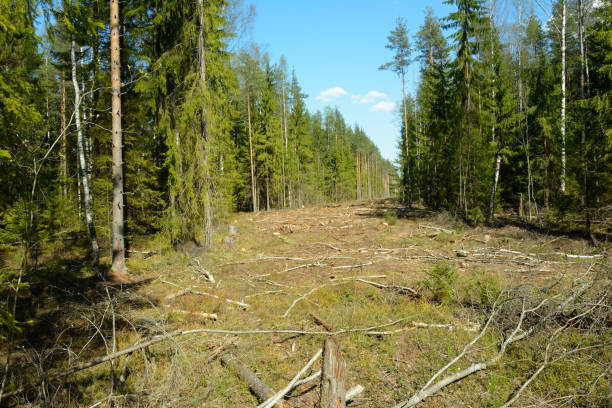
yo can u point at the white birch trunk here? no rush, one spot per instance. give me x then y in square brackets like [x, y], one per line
[83, 165]
[563, 96]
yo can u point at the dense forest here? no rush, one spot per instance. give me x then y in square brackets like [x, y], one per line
[199, 128]
[509, 115]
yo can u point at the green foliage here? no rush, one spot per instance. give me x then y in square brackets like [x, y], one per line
[9, 285]
[481, 289]
[441, 281]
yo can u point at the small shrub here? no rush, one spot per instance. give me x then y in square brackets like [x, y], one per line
[440, 282]
[475, 217]
[390, 217]
[482, 289]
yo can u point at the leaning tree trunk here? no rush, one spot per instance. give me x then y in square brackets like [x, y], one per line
[118, 266]
[563, 96]
[83, 165]
[204, 128]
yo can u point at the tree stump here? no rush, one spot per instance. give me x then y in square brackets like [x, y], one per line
[333, 377]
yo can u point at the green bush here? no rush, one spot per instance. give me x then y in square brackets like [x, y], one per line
[440, 281]
[482, 289]
[475, 217]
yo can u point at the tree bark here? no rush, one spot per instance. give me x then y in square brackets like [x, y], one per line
[204, 127]
[333, 377]
[253, 185]
[258, 387]
[407, 141]
[563, 96]
[118, 265]
[494, 187]
[64, 152]
[86, 191]
[585, 191]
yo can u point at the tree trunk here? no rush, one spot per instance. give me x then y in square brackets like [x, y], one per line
[407, 141]
[563, 96]
[585, 191]
[118, 266]
[253, 185]
[86, 191]
[494, 187]
[204, 127]
[64, 153]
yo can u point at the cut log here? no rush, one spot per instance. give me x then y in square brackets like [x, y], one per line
[333, 377]
[258, 387]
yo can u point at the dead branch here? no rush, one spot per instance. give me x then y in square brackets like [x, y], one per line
[404, 290]
[203, 271]
[421, 325]
[211, 316]
[307, 379]
[353, 266]
[268, 292]
[193, 291]
[263, 259]
[158, 339]
[133, 251]
[321, 322]
[336, 282]
[309, 265]
[279, 395]
[436, 228]
[536, 312]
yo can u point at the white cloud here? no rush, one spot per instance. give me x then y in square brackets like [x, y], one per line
[370, 97]
[328, 94]
[383, 106]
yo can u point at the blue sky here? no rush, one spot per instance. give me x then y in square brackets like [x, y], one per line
[336, 47]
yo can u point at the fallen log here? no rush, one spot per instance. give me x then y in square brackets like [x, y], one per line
[258, 387]
[321, 322]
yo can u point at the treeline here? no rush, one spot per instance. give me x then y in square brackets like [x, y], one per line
[515, 116]
[205, 130]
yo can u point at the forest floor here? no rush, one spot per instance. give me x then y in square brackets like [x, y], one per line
[305, 269]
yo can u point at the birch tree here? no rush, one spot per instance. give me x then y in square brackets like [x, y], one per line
[83, 166]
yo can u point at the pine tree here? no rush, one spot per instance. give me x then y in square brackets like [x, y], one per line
[399, 43]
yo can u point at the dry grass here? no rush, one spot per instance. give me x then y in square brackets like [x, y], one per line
[263, 271]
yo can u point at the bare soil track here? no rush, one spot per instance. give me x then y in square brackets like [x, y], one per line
[349, 266]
